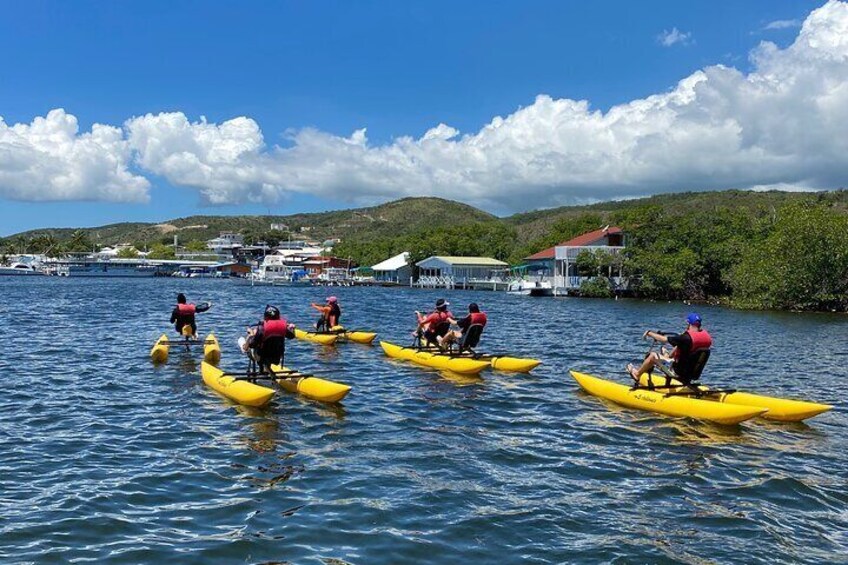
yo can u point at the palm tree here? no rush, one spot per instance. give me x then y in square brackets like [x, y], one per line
[79, 242]
[20, 244]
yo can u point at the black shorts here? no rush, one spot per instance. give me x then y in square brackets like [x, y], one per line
[431, 337]
[682, 373]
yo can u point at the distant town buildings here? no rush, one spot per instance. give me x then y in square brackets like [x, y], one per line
[225, 243]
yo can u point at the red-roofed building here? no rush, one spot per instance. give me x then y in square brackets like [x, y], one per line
[560, 258]
[610, 236]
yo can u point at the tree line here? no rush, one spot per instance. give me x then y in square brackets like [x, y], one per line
[794, 257]
[791, 256]
[80, 242]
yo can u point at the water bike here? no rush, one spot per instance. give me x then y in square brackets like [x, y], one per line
[460, 357]
[244, 388]
[336, 334]
[667, 394]
[211, 348]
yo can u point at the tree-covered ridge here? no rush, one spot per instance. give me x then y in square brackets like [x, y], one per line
[753, 250]
[538, 225]
[401, 216]
[750, 249]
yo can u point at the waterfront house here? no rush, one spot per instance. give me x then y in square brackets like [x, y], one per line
[441, 271]
[394, 270]
[335, 267]
[561, 259]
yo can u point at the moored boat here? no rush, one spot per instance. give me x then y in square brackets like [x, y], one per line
[530, 288]
[712, 410]
[20, 270]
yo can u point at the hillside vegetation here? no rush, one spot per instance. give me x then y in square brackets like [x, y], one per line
[398, 217]
[751, 249]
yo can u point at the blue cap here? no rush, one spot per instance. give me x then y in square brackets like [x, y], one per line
[693, 319]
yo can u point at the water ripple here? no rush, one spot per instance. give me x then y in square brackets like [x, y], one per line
[107, 458]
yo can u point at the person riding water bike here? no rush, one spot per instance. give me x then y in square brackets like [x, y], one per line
[436, 324]
[474, 318]
[266, 342]
[688, 356]
[182, 316]
[331, 313]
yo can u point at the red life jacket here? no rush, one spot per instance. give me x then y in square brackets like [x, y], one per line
[186, 309]
[275, 328]
[700, 340]
[440, 318]
[478, 318]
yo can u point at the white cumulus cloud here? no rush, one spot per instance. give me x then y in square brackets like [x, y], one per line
[225, 161]
[782, 124]
[668, 38]
[49, 159]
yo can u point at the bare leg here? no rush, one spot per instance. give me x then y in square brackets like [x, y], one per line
[649, 363]
[447, 340]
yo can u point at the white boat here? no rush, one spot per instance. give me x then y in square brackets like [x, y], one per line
[99, 267]
[274, 271]
[530, 288]
[526, 284]
[334, 276]
[20, 270]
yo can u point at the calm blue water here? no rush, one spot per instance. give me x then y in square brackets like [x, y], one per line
[104, 458]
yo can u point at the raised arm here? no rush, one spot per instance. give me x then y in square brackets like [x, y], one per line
[658, 336]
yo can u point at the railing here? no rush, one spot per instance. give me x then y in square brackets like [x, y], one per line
[570, 253]
[436, 282]
[574, 282]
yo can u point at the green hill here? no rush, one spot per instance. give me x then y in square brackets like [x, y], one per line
[412, 216]
[403, 216]
[778, 250]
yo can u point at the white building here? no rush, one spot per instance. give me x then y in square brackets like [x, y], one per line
[395, 269]
[226, 243]
[112, 252]
[609, 240]
[448, 272]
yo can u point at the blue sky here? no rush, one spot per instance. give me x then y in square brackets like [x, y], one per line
[395, 68]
